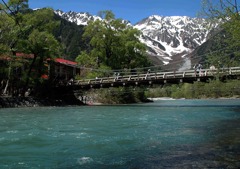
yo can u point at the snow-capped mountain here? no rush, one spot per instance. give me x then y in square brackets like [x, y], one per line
[168, 36]
[165, 37]
[81, 18]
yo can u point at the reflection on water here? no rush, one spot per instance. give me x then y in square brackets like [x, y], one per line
[163, 134]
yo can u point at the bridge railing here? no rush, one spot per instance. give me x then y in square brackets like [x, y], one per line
[160, 75]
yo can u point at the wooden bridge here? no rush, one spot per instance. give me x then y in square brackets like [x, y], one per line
[173, 77]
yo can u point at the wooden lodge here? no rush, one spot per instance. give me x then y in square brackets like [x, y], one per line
[57, 69]
[63, 70]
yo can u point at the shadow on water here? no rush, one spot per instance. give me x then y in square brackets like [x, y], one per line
[220, 147]
[222, 150]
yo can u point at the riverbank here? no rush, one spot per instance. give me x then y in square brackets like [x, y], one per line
[169, 98]
[18, 102]
[15, 102]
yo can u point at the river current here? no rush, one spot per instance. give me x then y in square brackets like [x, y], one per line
[163, 134]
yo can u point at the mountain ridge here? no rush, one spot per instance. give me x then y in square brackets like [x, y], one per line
[165, 36]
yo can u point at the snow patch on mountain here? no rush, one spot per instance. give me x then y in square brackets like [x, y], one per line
[81, 18]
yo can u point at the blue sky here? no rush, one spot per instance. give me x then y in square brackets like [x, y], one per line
[132, 10]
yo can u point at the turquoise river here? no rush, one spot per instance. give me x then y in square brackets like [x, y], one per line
[163, 134]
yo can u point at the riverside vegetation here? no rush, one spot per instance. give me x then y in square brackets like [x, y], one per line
[121, 95]
[197, 90]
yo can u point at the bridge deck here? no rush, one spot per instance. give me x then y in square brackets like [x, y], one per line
[156, 78]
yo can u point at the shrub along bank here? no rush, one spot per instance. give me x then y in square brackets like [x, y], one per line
[121, 95]
[197, 90]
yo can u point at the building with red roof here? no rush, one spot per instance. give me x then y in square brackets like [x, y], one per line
[62, 69]
[58, 68]
[65, 62]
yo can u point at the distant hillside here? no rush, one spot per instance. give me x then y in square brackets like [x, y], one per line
[215, 43]
[70, 36]
[170, 40]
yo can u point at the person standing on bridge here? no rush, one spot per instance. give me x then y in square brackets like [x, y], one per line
[149, 70]
[195, 69]
[116, 75]
[199, 69]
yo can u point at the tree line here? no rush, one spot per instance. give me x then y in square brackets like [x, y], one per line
[109, 44]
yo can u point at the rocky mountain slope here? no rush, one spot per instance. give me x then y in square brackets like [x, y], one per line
[170, 36]
[169, 39]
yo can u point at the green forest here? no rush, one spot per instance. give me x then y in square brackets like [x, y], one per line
[109, 45]
[42, 36]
